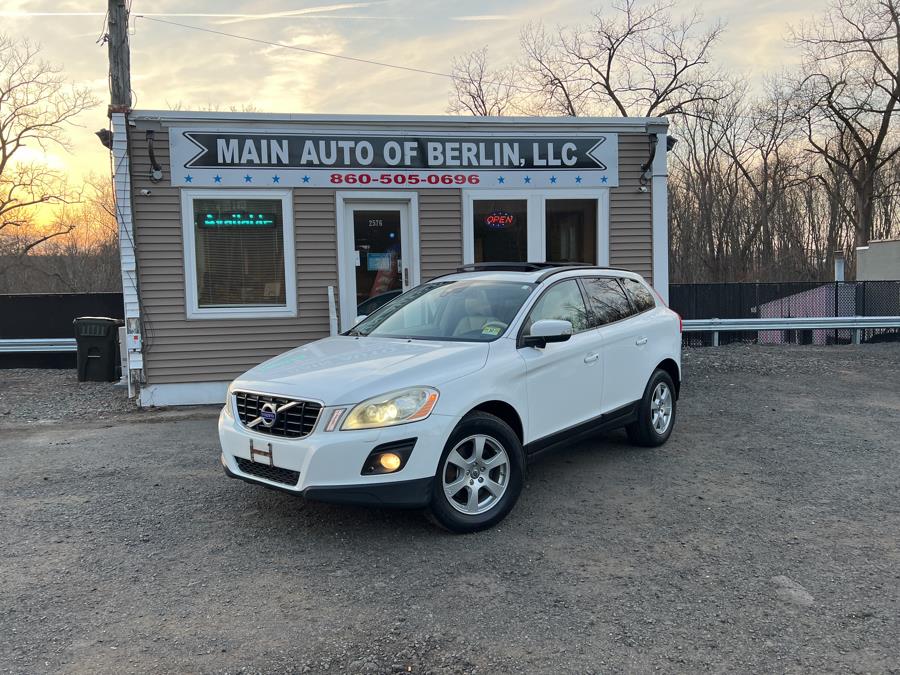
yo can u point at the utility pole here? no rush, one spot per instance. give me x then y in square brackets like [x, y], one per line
[119, 57]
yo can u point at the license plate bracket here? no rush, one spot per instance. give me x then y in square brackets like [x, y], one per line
[261, 456]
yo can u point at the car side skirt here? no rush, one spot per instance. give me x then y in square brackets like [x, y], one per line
[605, 422]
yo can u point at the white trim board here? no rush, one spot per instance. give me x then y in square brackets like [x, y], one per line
[192, 309]
[193, 393]
[660, 218]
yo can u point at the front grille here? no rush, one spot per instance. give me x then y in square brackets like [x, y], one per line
[295, 422]
[273, 473]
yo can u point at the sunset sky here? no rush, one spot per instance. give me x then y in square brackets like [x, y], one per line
[174, 66]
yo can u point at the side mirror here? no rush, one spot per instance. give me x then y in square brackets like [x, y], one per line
[547, 330]
[360, 318]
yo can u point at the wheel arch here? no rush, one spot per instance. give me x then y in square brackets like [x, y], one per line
[506, 412]
[671, 367]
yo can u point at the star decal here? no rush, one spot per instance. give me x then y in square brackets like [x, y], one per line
[604, 179]
[217, 178]
[577, 179]
[276, 178]
[305, 179]
[189, 179]
[527, 179]
[248, 178]
[501, 180]
[552, 179]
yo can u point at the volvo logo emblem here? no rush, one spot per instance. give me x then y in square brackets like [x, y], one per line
[267, 413]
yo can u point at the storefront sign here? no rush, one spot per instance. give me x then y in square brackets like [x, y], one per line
[222, 158]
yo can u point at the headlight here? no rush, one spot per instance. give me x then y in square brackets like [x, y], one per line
[229, 409]
[396, 407]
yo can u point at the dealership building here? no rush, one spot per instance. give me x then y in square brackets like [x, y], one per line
[245, 235]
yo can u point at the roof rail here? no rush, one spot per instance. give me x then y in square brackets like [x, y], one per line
[514, 266]
[570, 267]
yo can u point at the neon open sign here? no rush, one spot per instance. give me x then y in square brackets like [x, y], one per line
[498, 220]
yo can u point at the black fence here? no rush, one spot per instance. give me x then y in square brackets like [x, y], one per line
[786, 300]
[50, 315]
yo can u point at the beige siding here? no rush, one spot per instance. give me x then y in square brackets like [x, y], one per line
[630, 228]
[178, 350]
[440, 232]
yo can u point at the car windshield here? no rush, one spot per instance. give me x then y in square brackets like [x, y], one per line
[464, 310]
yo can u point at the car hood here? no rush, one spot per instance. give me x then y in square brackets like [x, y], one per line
[346, 370]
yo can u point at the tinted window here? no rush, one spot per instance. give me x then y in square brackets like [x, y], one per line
[641, 298]
[239, 246]
[561, 301]
[608, 301]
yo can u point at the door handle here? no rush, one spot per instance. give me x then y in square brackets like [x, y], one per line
[590, 358]
[405, 277]
[641, 341]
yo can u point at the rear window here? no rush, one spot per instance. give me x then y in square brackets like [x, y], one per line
[608, 302]
[641, 298]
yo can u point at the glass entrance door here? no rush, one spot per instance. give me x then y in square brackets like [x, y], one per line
[378, 254]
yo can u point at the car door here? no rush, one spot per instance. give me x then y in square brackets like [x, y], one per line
[623, 381]
[563, 379]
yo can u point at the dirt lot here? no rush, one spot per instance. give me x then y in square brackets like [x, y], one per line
[763, 537]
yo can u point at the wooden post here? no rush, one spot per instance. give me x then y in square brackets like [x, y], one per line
[119, 57]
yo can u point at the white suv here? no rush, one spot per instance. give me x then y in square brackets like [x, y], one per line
[439, 397]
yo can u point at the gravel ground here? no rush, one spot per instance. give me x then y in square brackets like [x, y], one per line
[763, 537]
[29, 395]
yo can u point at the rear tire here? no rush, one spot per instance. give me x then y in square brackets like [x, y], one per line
[656, 412]
[479, 476]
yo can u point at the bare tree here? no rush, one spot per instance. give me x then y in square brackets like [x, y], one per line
[479, 91]
[849, 91]
[634, 61]
[35, 107]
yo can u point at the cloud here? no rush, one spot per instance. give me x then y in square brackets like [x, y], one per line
[486, 17]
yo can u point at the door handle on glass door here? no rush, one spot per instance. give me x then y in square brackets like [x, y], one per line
[641, 341]
[405, 278]
[590, 358]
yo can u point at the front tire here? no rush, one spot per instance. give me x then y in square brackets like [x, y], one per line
[656, 412]
[479, 476]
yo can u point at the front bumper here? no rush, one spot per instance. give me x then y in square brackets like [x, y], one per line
[328, 465]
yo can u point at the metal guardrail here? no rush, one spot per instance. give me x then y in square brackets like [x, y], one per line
[852, 323]
[37, 345]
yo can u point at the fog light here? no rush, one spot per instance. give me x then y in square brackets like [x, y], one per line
[389, 461]
[388, 457]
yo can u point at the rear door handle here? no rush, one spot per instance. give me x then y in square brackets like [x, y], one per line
[590, 358]
[641, 341]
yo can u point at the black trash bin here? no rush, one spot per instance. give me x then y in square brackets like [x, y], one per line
[98, 348]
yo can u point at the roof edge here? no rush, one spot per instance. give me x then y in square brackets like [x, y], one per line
[452, 120]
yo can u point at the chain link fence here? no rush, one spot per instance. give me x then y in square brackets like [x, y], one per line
[790, 299]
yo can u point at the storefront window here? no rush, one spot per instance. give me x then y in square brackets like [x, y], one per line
[241, 253]
[500, 230]
[571, 230]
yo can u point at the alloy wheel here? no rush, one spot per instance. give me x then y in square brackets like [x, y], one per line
[475, 474]
[661, 408]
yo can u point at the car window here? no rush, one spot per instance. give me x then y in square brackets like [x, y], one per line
[641, 298]
[607, 299]
[561, 301]
[468, 310]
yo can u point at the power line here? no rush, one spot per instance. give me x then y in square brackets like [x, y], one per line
[307, 50]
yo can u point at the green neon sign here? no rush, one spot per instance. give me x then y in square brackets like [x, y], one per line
[236, 219]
